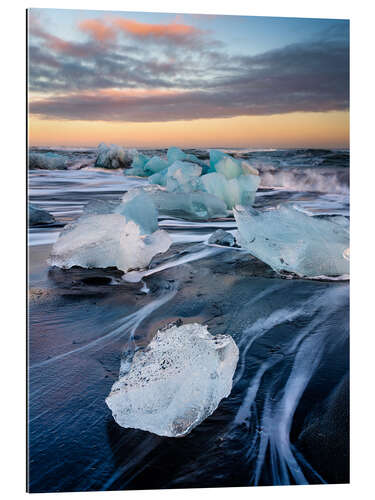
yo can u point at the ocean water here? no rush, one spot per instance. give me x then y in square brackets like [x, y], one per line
[286, 420]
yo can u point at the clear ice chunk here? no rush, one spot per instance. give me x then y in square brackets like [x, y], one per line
[138, 206]
[289, 240]
[181, 176]
[154, 165]
[223, 238]
[229, 167]
[108, 240]
[176, 154]
[176, 382]
[138, 165]
[239, 190]
[112, 156]
[197, 205]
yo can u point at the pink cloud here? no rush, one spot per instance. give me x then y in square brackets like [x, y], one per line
[98, 29]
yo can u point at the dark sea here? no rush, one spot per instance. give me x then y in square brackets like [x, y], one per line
[286, 420]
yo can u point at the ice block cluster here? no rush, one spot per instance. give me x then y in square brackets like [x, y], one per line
[232, 181]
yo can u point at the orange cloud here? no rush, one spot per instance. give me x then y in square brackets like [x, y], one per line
[172, 31]
[98, 30]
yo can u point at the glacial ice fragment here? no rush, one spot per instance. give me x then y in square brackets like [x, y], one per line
[37, 216]
[221, 237]
[108, 240]
[181, 176]
[288, 240]
[112, 156]
[240, 190]
[47, 161]
[137, 206]
[176, 382]
[229, 167]
[155, 165]
[195, 206]
[176, 154]
[138, 165]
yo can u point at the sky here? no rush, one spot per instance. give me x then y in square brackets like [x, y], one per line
[156, 80]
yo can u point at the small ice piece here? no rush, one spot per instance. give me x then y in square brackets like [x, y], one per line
[240, 190]
[109, 240]
[175, 154]
[229, 167]
[37, 216]
[47, 161]
[289, 240]
[112, 156]
[139, 207]
[176, 382]
[215, 157]
[154, 165]
[223, 238]
[138, 165]
[183, 177]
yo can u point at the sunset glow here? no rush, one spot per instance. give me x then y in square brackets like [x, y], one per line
[160, 79]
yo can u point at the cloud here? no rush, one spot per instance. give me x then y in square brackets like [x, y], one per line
[182, 81]
[175, 32]
[98, 30]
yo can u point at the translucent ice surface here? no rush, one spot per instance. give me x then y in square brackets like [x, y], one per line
[223, 238]
[175, 154]
[107, 240]
[181, 176]
[154, 165]
[112, 156]
[238, 190]
[138, 206]
[176, 382]
[138, 165]
[196, 206]
[289, 240]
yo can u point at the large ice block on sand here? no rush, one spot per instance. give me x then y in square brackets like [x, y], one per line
[176, 382]
[288, 240]
[112, 156]
[138, 206]
[108, 240]
[37, 216]
[47, 161]
[239, 190]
